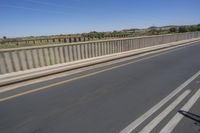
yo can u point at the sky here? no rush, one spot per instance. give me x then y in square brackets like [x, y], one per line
[20, 18]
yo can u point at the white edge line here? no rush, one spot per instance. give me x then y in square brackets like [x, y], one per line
[178, 117]
[121, 60]
[149, 127]
[142, 118]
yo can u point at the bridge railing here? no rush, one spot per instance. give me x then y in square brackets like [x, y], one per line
[20, 59]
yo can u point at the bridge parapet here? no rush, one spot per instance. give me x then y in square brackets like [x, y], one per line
[21, 59]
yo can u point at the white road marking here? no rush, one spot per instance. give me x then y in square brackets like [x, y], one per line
[166, 50]
[149, 127]
[142, 118]
[68, 73]
[80, 77]
[178, 117]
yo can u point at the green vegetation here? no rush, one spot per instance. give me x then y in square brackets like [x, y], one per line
[4, 38]
[94, 35]
[173, 30]
[190, 28]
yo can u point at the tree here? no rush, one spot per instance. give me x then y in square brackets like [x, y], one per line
[183, 29]
[193, 28]
[172, 29]
[198, 27]
[4, 37]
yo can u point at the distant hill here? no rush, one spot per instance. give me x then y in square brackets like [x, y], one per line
[94, 35]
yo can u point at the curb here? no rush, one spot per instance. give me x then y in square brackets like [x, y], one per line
[16, 77]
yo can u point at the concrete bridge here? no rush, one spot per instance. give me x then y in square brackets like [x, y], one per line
[116, 85]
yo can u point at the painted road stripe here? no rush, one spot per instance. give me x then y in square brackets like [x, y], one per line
[73, 79]
[149, 127]
[178, 117]
[89, 68]
[80, 77]
[146, 115]
[91, 74]
[12, 87]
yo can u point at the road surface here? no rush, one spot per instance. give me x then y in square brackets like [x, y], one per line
[137, 95]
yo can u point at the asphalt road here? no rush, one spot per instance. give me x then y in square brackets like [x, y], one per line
[111, 98]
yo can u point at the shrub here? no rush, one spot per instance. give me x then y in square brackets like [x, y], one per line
[183, 29]
[172, 29]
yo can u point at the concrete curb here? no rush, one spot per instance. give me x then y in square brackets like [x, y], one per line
[15, 77]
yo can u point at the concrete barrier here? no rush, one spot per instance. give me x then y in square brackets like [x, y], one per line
[20, 59]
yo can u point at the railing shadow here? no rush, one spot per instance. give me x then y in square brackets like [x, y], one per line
[194, 117]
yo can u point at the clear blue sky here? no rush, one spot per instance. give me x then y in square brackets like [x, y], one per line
[50, 17]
